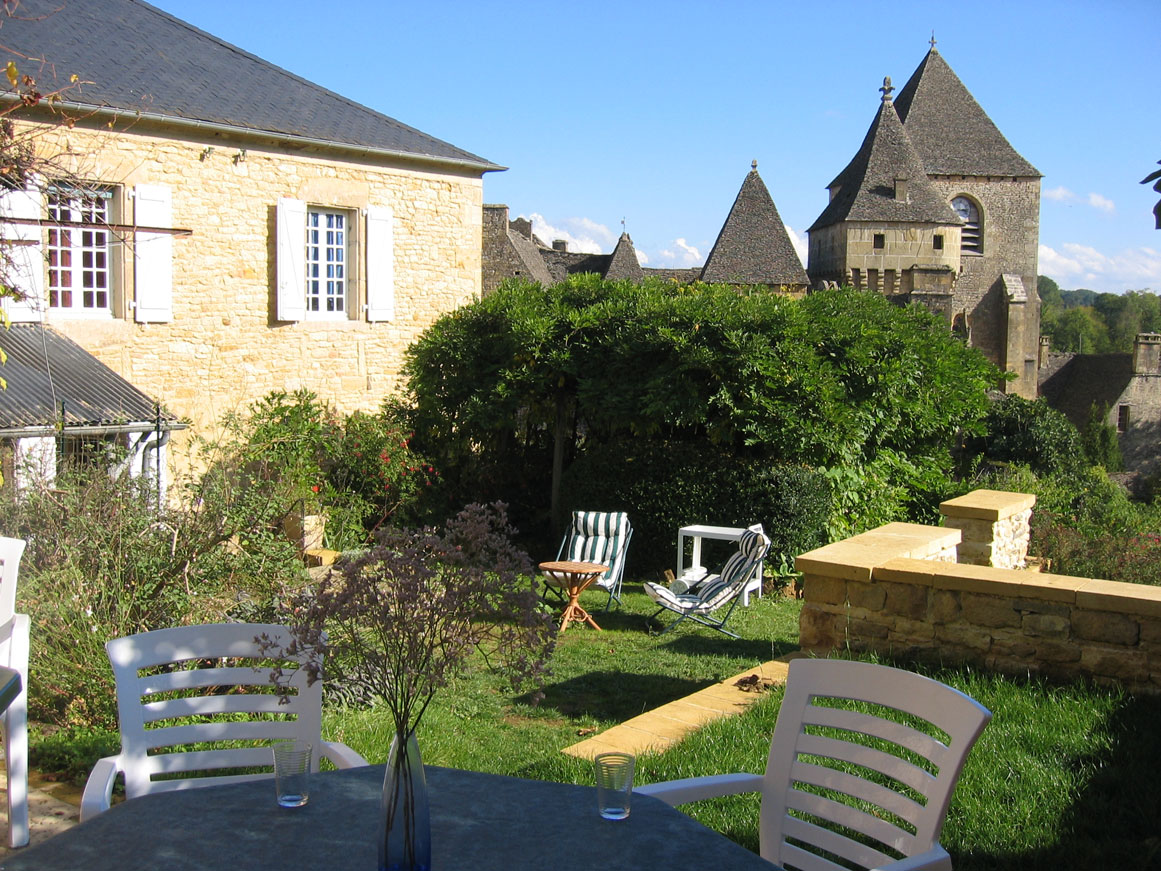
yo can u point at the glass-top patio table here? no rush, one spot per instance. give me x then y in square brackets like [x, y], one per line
[479, 822]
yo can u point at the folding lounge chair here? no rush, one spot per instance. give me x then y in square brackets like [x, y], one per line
[14, 722]
[596, 537]
[861, 770]
[715, 591]
[169, 676]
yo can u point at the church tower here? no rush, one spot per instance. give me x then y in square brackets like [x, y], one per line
[976, 261]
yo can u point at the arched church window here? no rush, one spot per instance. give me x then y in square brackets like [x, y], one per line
[971, 234]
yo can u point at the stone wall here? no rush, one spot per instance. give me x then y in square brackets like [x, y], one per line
[994, 526]
[888, 591]
[224, 346]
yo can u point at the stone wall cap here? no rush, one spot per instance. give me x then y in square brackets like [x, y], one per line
[1132, 599]
[988, 504]
[855, 558]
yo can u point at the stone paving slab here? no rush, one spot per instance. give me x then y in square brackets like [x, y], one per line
[657, 729]
[52, 808]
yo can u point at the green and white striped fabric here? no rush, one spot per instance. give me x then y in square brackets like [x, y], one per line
[600, 537]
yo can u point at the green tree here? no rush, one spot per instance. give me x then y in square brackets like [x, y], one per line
[1099, 440]
[1080, 330]
[1030, 433]
[508, 390]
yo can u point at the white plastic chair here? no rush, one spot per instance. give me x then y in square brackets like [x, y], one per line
[14, 654]
[858, 782]
[219, 675]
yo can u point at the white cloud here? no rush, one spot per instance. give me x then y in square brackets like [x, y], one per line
[1076, 265]
[1102, 203]
[1060, 194]
[583, 235]
[799, 241]
[682, 255]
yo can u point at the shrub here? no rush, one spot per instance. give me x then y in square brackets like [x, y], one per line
[359, 470]
[1030, 433]
[104, 561]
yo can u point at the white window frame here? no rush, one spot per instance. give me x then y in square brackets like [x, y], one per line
[79, 253]
[369, 246]
[328, 279]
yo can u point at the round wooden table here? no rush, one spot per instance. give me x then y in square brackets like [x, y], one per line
[575, 577]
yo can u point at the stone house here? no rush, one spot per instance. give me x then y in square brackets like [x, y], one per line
[1126, 387]
[221, 228]
[752, 248]
[937, 207]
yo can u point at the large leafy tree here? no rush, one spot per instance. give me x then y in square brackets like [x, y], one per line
[510, 388]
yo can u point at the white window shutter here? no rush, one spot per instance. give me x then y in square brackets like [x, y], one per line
[380, 264]
[153, 254]
[25, 247]
[290, 265]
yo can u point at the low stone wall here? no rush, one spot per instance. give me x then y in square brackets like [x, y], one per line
[893, 591]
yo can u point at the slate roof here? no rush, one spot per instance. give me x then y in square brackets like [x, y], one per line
[866, 187]
[46, 371]
[623, 265]
[141, 59]
[753, 246]
[529, 255]
[952, 134]
[1085, 380]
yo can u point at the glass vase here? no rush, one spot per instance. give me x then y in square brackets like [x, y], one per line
[405, 823]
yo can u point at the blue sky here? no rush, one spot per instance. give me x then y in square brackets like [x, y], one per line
[650, 112]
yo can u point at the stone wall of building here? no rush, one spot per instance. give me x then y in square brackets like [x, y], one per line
[224, 346]
[1010, 224]
[880, 592]
[887, 269]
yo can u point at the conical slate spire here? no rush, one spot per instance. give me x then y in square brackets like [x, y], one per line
[952, 134]
[753, 246]
[623, 264]
[868, 189]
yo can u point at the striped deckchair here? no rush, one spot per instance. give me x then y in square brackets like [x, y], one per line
[716, 591]
[597, 537]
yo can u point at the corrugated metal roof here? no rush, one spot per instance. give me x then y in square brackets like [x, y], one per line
[47, 373]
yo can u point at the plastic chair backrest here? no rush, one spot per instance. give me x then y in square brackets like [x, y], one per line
[600, 537]
[11, 550]
[910, 733]
[190, 669]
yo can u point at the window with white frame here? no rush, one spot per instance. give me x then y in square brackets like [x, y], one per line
[321, 251]
[327, 239]
[78, 251]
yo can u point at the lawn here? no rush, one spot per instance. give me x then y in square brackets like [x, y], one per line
[1058, 780]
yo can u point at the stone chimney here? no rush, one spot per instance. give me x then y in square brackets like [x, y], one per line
[1147, 354]
[1045, 348]
[495, 219]
[559, 245]
[523, 226]
[901, 189]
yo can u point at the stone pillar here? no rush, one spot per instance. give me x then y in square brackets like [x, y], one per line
[994, 525]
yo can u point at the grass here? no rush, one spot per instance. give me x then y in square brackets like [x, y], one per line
[1061, 778]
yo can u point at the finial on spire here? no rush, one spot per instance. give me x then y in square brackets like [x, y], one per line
[933, 38]
[622, 226]
[887, 89]
[753, 166]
